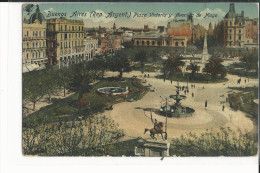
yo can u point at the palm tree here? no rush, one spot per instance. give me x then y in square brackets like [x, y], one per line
[172, 65]
[194, 68]
[215, 67]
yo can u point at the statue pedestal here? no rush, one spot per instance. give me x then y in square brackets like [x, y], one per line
[156, 148]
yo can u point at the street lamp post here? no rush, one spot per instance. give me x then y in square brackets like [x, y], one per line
[166, 120]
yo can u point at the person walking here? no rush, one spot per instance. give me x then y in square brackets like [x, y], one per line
[206, 103]
[223, 107]
[192, 94]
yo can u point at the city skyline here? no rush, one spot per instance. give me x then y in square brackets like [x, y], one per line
[170, 11]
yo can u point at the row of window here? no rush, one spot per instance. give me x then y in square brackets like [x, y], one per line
[71, 28]
[239, 37]
[90, 46]
[231, 43]
[69, 52]
[36, 34]
[239, 31]
[35, 45]
[36, 55]
[65, 45]
[158, 43]
[76, 35]
[231, 23]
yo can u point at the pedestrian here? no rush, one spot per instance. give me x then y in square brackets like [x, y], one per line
[192, 94]
[206, 103]
[148, 74]
[185, 92]
[223, 107]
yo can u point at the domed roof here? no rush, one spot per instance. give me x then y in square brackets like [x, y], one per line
[37, 16]
[232, 12]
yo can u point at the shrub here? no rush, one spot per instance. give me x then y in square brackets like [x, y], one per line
[226, 142]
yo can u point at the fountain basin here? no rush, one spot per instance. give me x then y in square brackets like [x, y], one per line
[176, 111]
[113, 90]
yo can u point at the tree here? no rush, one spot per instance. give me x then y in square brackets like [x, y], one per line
[64, 77]
[156, 54]
[193, 67]
[120, 62]
[83, 76]
[142, 57]
[84, 137]
[215, 67]
[33, 87]
[50, 80]
[191, 50]
[172, 65]
[250, 61]
[102, 64]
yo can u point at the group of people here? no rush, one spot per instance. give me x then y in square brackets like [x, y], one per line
[239, 80]
[146, 75]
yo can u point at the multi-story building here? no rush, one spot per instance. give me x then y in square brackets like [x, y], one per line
[65, 41]
[234, 28]
[157, 40]
[198, 32]
[91, 46]
[251, 30]
[104, 44]
[114, 43]
[181, 27]
[34, 41]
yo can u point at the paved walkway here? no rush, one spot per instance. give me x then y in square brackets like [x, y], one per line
[133, 117]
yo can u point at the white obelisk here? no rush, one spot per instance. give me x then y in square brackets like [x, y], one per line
[205, 55]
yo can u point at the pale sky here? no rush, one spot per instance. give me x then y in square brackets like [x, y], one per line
[167, 10]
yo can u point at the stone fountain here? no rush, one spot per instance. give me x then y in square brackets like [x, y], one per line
[176, 109]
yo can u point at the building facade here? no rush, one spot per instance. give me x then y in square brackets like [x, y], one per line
[198, 32]
[91, 46]
[161, 41]
[34, 40]
[181, 27]
[234, 28]
[65, 43]
[251, 30]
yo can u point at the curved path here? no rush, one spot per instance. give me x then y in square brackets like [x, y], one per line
[134, 117]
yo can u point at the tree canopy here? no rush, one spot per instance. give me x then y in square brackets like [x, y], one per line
[215, 67]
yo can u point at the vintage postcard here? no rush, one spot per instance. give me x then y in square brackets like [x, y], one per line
[140, 79]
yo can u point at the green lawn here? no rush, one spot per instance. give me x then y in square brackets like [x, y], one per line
[238, 69]
[66, 110]
[197, 78]
[151, 67]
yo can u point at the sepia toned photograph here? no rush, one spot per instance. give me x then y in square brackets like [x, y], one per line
[140, 79]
